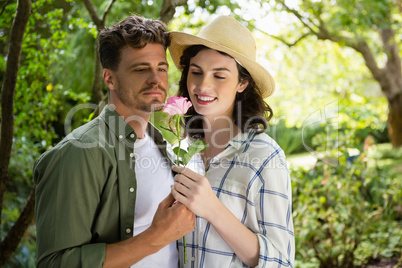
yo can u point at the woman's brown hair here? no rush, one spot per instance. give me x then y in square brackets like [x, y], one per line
[250, 109]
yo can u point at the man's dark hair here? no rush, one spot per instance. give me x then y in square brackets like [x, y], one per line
[134, 31]
[250, 109]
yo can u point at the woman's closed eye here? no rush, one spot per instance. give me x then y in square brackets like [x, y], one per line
[196, 73]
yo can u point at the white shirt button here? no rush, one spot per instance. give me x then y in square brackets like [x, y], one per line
[121, 137]
[131, 155]
[131, 190]
[132, 135]
[128, 230]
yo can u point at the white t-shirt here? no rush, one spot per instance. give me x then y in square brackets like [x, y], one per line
[154, 178]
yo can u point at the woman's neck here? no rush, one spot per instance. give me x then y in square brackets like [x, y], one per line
[217, 133]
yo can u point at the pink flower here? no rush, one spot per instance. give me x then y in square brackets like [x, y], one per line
[177, 105]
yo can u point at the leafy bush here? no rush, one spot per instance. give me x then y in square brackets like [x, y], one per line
[345, 207]
[291, 139]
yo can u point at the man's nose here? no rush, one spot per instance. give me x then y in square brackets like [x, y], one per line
[154, 77]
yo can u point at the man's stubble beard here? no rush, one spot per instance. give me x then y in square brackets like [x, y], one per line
[154, 106]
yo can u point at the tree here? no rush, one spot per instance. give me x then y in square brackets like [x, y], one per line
[10, 242]
[368, 27]
[100, 24]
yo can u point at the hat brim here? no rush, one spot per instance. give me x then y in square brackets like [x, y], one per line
[263, 79]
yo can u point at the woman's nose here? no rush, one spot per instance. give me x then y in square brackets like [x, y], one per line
[205, 83]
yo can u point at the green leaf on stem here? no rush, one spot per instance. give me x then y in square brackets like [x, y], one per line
[194, 148]
[168, 129]
[179, 152]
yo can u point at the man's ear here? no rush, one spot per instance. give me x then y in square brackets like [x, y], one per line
[108, 77]
[242, 86]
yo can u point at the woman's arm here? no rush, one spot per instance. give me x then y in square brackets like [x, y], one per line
[195, 192]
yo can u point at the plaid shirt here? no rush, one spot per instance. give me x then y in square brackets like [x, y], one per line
[251, 179]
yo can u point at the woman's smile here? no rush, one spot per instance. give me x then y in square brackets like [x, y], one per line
[205, 99]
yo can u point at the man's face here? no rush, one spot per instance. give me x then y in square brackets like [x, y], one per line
[141, 80]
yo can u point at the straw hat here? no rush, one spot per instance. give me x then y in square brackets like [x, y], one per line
[227, 35]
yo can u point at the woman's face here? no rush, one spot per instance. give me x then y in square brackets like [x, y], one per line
[213, 82]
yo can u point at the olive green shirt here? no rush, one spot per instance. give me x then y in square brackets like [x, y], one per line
[85, 192]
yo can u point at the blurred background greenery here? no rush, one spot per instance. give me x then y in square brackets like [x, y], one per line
[331, 111]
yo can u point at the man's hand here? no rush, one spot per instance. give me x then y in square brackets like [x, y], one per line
[172, 220]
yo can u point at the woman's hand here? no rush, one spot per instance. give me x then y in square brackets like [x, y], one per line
[195, 192]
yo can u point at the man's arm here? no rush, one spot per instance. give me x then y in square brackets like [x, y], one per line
[69, 185]
[68, 190]
[172, 220]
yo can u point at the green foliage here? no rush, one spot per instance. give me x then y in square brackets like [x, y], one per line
[354, 120]
[185, 156]
[357, 15]
[345, 208]
[288, 138]
[25, 255]
[36, 114]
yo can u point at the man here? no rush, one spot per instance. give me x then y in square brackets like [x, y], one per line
[95, 198]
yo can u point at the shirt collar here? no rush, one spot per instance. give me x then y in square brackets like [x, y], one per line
[119, 126]
[155, 133]
[242, 138]
[116, 123]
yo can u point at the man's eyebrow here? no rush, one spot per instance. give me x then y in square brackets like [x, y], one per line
[162, 63]
[214, 69]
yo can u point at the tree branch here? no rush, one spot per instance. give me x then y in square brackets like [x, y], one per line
[8, 90]
[360, 46]
[391, 48]
[392, 81]
[109, 7]
[289, 44]
[399, 4]
[3, 7]
[14, 236]
[92, 12]
[100, 106]
[97, 83]
[169, 8]
[7, 110]
[363, 48]
[300, 17]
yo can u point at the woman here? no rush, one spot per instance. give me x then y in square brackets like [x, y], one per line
[239, 187]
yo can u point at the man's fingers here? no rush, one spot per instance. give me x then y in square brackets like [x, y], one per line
[168, 201]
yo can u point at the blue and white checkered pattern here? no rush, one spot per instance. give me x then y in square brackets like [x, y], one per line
[251, 179]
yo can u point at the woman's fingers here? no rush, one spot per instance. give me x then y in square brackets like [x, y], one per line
[182, 189]
[186, 172]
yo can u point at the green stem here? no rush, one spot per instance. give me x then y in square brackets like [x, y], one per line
[185, 249]
[178, 159]
[178, 136]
